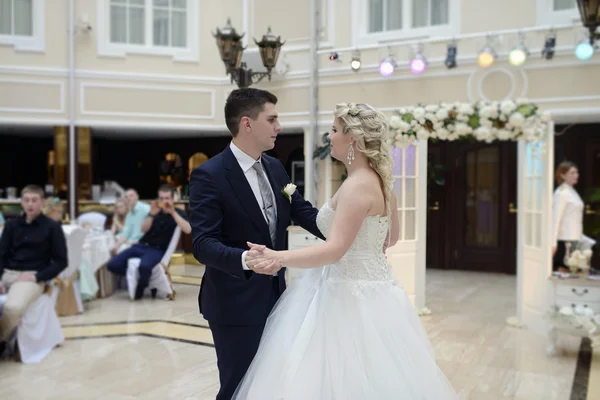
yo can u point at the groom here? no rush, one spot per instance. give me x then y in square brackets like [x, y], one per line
[237, 197]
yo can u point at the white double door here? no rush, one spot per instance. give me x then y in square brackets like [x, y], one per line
[534, 188]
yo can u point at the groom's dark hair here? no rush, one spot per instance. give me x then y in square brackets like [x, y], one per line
[246, 102]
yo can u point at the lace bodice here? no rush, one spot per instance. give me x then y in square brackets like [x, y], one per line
[365, 260]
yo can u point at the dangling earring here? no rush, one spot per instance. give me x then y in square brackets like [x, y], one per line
[350, 154]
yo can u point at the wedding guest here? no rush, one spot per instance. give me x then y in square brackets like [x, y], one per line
[132, 231]
[567, 214]
[119, 216]
[53, 209]
[158, 228]
[33, 251]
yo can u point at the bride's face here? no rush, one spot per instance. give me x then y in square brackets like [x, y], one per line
[339, 141]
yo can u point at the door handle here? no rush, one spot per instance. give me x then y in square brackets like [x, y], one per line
[512, 209]
[589, 211]
[435, 207]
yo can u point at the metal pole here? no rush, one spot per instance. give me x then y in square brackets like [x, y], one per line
[72, 138]
[309, 143]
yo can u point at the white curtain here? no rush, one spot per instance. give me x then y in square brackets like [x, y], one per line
[394, 15]
[23, 17]
[6, 17]
[424, 13]
[170, 23]
[16, 17]
[137, 22]
[420, 13]
[179, 28]
[560, 5]
[430, 13]
[375, 15]
[168, 20]
[118, 23]
[439, 12]
[127, 21]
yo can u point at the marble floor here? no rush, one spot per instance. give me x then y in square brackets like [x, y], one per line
[157, 349]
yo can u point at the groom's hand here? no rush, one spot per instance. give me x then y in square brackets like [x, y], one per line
[262, 260]
[254, 254]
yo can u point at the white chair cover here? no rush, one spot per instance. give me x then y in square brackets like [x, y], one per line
[94, 219]
[75, 238]
[159, 279]
[39, 331]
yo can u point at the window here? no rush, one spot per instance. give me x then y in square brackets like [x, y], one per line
[423, 13]
[560, 5]
[170, 23]
[556, 12]
[388, 20]
[162, 27]
[127, 21]
[16, 17]
[21, 24]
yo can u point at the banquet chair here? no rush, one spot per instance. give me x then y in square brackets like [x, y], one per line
[69, 300]
[92, 219]
[160, 278]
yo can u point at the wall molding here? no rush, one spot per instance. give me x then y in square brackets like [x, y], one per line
[26, 110]
[145, 77]
[84, 85]
[34, 121]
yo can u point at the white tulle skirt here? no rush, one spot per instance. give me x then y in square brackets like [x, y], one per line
[344, 340]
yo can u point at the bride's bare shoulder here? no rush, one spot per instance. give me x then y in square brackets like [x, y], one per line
[354, 186]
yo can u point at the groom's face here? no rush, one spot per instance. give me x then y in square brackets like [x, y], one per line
[265, 128]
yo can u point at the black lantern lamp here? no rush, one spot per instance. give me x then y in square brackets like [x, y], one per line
[589, 10]
[231, 49]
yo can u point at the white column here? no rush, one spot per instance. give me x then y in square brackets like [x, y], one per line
[309, 139]
[72, 137]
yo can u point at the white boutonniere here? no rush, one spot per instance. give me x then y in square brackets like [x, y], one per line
[288, 190]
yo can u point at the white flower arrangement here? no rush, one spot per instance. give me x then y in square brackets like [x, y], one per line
[579, 318]
[482, 121]
[578, 258]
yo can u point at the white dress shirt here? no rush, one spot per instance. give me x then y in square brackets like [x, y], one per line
[246, 162]
[567, 214]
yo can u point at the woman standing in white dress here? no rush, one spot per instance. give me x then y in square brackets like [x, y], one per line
[567, 210]
[344, 330]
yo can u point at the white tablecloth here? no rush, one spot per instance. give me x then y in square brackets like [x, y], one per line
[96, 252]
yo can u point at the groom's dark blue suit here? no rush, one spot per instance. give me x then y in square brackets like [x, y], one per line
[224, 215]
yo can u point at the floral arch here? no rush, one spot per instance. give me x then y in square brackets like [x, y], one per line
[481, 121]
[487, 121]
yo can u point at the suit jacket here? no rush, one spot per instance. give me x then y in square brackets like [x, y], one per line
[224, 215]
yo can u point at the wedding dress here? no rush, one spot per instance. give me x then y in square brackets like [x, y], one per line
[346, 332]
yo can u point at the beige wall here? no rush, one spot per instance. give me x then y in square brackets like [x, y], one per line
[153, 90]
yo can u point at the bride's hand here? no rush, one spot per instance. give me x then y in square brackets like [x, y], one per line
[263, 260]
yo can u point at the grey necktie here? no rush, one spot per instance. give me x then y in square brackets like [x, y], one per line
[268, 200]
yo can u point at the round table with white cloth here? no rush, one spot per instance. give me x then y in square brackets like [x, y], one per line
[96, 253]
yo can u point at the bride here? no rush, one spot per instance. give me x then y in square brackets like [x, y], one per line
[344, 330]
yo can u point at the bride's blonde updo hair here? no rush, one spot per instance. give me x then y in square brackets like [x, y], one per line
[369, 129]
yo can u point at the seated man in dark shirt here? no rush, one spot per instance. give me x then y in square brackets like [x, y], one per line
[33, 250]
[158, 228]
